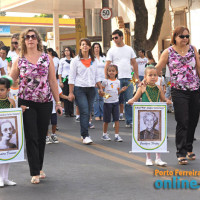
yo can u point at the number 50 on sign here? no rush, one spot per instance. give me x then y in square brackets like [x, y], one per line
[105, 13]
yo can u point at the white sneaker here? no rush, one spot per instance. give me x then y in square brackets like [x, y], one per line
[149, 162]
[106, 137]
[159, 162]
[1, 183]
[10, 183]
[118, 139]
[48, 140]
[87, 140]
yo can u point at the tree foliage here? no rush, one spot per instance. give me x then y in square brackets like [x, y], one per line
[2, 13]
[47, 15]
[141, 24]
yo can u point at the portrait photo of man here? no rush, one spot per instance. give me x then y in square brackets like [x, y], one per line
[8, 139]
[147, 126]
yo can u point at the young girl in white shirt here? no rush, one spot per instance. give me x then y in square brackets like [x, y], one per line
[111, 102]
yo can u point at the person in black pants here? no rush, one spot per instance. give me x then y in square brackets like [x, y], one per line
[184, 66]
[63, 73]
[37, 83]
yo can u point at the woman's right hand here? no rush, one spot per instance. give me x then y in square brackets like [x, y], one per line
[71, 97]
[24, 108]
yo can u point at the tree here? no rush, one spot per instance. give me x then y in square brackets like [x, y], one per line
[47, 15]
[141, 25]
[2, 13]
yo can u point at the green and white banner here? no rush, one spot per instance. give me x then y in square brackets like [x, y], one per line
[11, 135]
[149, 127]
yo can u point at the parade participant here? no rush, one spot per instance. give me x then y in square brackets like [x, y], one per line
[3, 53]
[14, 49]
[55, 58]
[184, 66]
[14, 90]
[124, 57]
[101, 61]
[37, 83]
[83, 77]
[150, 93]
[151, 60]
[141, 61]
[5, 102]
[54, 138]
[63, 73]
[111, 104]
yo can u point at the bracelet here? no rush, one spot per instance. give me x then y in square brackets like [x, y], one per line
[58, 103]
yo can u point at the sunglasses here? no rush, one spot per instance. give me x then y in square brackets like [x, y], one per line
[27, 37]
[115, 38]
[16, 43]
[184, 36]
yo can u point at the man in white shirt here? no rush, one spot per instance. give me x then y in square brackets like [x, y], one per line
[141, 61]
[124, 57]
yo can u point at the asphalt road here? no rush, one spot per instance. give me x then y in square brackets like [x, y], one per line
[102, 171]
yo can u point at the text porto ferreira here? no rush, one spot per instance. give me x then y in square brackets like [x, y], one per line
[177, 179]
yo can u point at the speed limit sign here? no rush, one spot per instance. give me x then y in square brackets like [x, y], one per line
[106, 13]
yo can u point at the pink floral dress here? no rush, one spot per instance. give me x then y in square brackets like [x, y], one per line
[33, 80]
[182, 70]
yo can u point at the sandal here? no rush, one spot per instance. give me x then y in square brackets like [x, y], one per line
[35, 180]
[182, 161]
[191, 156]
[42, 175]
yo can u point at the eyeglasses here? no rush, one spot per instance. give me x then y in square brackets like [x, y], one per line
[27, 37]
[16, 43]
[115, 38]
[184, 36]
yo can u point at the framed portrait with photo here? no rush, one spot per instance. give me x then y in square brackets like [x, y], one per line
[149, 127]
[11, 135]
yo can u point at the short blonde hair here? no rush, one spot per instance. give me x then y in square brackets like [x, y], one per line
[23, 48]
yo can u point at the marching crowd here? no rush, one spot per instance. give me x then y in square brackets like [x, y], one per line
[94, 82]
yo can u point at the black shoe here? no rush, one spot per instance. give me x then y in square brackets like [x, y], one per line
[72, 115]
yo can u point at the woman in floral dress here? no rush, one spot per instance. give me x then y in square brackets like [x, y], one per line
[37, 83]
[184, 70]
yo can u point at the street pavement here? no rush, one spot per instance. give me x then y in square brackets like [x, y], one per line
[102, 171]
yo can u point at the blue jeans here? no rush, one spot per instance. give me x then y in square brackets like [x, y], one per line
[98, 105]
[85, 100]
[141, 78]
[128, 94]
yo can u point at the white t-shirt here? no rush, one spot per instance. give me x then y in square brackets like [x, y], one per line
[167, 73]
[112, 88]
[54, 102]
[161, 81]
[121, 56]
[56, 63]
[101, 62]
[1, 63]
[64, 67]
[13, 94]
[13, 55]
[5, 66]
[141, 65]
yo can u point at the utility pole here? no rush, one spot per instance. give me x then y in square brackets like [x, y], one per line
[106, 29]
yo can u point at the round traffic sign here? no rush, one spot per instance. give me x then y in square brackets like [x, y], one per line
[106, 13]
